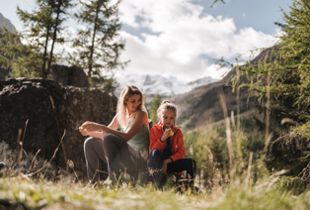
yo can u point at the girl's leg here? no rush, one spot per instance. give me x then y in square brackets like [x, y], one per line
[93, 151]
[155, 160]
[187, 164]
[154, 167]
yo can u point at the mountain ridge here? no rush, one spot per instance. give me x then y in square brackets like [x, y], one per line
[201, 105]
[158, 84]
[6, 23]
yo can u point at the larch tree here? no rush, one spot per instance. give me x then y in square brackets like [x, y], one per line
[98, 44]
[44, 25]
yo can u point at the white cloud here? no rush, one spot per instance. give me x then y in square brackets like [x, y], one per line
[216, 71]
[184, 38]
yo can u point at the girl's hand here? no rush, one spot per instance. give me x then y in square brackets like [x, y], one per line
[167, 133]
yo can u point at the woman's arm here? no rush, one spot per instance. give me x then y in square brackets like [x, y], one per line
[114, 123]
[97, 133]
[139, 120]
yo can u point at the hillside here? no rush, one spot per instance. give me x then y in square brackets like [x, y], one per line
[201, 105]
[4, 22]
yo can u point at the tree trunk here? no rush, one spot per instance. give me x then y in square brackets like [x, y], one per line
[56, 24]
[92, 47]
[44, 72]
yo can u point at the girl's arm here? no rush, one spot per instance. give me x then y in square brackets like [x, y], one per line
[180, 153]
[155, 142]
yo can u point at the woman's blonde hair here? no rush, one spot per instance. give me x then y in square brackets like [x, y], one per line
[166, 105]
[121, 105]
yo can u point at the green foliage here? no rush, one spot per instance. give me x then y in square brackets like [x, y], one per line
[295, 185]
[28, 64]
[108, 84]
[97, 45]
[208, 146]
[10, 46]
[260, 198]
[303, 130]
[44, 27]
[41, 194]
[295, 50]
[281, 75]
[20, 59]
[153, 108]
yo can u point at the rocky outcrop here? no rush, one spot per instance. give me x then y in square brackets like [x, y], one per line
[69, 75]
[37, 112]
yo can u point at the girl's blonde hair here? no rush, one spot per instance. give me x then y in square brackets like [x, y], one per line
[166, 105]
[121, 105]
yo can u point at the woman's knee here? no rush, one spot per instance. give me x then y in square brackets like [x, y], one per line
[109, 141]
[88, 143]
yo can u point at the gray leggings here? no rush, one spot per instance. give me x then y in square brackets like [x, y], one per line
[117, 157]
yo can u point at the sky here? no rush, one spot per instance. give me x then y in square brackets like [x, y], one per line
[186, 38]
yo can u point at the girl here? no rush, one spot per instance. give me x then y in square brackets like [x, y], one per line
[167, 154]
[122, 146]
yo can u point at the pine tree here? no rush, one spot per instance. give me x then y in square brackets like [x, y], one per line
[295, 53]
[97, 44]
[59, 10]
[44, 25]
[18, 59]
[283, 73]
[9, 49]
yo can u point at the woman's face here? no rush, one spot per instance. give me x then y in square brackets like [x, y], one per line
[133, 103]
[168, 118]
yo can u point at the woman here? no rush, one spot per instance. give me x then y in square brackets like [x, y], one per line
[122, 146]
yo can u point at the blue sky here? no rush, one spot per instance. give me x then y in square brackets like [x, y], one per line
[184, 38]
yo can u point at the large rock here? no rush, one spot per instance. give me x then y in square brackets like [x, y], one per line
[49, 109]
[69, 75]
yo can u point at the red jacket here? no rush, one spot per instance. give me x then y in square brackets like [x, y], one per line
[178, 151]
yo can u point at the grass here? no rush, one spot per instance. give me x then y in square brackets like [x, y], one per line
[42, 194]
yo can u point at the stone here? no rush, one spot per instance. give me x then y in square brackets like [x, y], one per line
[69, 75]
[36, 112]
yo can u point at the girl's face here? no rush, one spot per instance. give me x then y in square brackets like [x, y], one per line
[168, 118]
[133, 103]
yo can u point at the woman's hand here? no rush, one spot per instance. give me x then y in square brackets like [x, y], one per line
[83, 131]
[89, 127]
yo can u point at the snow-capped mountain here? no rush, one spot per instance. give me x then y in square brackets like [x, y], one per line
[158, 84]
[201, 82]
